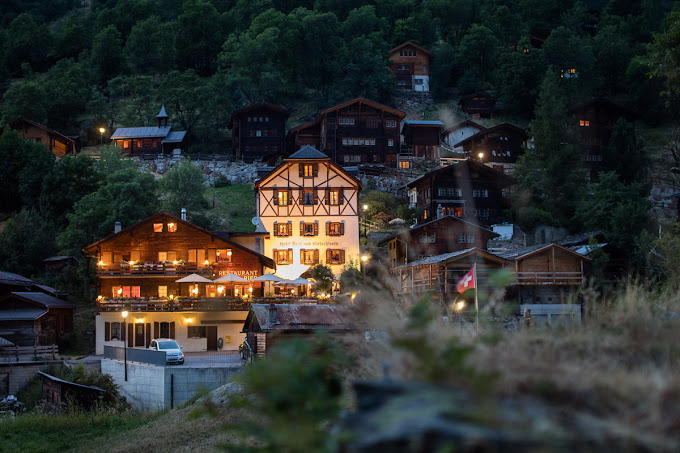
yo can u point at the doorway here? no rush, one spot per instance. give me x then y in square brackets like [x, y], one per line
[211, 334]
[139, 334]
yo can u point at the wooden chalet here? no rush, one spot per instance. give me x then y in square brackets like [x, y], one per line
[441, 273]
[56, 142]
[34, 318]
[310, 205]
[596, 120]
[444, 234]
[478, 105]
[139, 269]
[410, 64]
[499, 146]
[259, 132]
[267, 324]
[355, 132]
[468, 189]
[421, 141]
[58, 392]
[456, 134]
[547, 274]
[150, 140]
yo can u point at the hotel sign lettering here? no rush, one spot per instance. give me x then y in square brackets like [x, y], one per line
[248, 275]
[308, 244]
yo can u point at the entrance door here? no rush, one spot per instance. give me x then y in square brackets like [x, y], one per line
[211, 334]
[139, 335]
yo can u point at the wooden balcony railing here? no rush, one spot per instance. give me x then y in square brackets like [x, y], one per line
[549, 278]
[207, 304]
[153, 269]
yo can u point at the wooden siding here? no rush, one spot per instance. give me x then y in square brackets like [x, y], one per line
[496, 145]
[552, 266]
[258, 132]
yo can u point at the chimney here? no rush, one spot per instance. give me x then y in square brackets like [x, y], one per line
[272, 314]
[184, 213]
[117, 227]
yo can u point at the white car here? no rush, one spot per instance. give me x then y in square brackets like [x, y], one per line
[173, 351]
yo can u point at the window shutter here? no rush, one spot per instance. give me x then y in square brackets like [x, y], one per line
[290, 256]
[328, 256]
[316, 170]
[328, 228]
[107, 331]
[156, 329]
[148, 334]
[301, 167]
[341, 196]
[276, 229]
[342, 227]
[316, 228]
[316, 256]
[342, 257]
[131, 335]
[290, 196]
[172, 330]
[302, 256]
[315, 197]
[274, 253]
[302, 228]
[276, 197]
[290, 228]
[328, 196]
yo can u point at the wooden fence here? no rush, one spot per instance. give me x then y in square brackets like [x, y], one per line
[9, 354]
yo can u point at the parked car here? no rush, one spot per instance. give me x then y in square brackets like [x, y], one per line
[173, 351]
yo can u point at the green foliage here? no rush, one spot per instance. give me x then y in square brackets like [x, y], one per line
[351, 278]
[107, 53]
[625, 155]
[183, 187]
[477, 54]
[663, 58]
[378, 201]
[323, 276]
[27, 239]
[197, 39]
[293, 415]
[26, 42]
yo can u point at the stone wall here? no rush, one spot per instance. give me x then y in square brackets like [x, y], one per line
[14, 377]
[235, 172]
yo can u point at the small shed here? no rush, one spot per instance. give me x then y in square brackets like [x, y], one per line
[34, 319]
[57, 391]
[268, 323]
[478, 105]
[57, 264]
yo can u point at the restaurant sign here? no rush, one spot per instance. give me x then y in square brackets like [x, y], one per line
[248, 275]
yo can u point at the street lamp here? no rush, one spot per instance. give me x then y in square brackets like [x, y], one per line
[481, 156]
[365, 219]
[101, 135]
[125, 313]
[364, 259]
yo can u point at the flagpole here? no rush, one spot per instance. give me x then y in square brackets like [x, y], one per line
[476, 301]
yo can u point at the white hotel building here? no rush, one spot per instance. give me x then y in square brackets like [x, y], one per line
[310, 207]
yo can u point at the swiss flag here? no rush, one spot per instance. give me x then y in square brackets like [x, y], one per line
[467, 282]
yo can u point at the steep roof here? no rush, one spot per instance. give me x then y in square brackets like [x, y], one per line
[91, 249]
[520, 254]
[463, 124]
[361, 100]
[305, 317]
[8, 278]
[506, 179]
[255, 106]
[40, 299]
[140, 132]
[423, 123]
[440, 219]
[409, 43]
[453, 256]
[307, 152]
[175, 137]
[25, 314]
[493, 129]
[50, 131]
[162, 113]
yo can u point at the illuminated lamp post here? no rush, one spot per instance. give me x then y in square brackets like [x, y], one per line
[365, 219]
[101, 135]
[125, 313]
[364, 259]
[481, 156]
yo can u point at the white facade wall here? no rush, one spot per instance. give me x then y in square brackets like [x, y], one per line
[421, 83]
[230, 332]
[329, 177]
[457, 136]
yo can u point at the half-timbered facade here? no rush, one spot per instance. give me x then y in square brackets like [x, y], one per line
[498, 147]
[478, 105]
[444, 234]
[56, 142]
[309, 205]
[355, 132]
[596, 120]
[259, 132]
[468, 190]
[150, 140]
[410, 64]
[138, 269]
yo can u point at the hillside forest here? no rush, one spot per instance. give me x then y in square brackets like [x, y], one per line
[76, 66]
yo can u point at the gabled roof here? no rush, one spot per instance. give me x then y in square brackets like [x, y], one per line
[307, 152]
[303, 126]
[140, 132]
[8, 278]
[39, 299]
[463, 124]
[91, 249]
[475, 95]
[604, 102]
[506, 179]
[175, 137]
[50, 131]
[413, 123]
[520, 254]
[440, 219]
[361, 100]
[305, 317]
[24, 314]
[493, 129]
[409, 43]
[453, 256]
[257, 105]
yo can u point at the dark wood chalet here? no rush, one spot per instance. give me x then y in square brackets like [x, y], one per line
[259, 132]
[499, 146]
[421, 141]
[145, 260]
[410, 64]
[34, 319]
[267, 324]
[596, 120]
[445, 234]
[469, 190]
[56, 142]
[478, 105]
[355, 132]
[150, 140]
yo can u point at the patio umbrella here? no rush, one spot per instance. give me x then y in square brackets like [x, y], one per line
[230, 278]
[301, 281]
[268, 278]
[193, 278]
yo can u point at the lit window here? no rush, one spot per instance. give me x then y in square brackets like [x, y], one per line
[282, 229]
[309, 229]
[162, 256]
[172, 227]
[281, 197]
[584, 123]
[309, 170]
[405, 164]
[335, 256]
[309, 257]
[335, 229]
[283, 256]
[334, 196]
[224, 255]
[162, 291]
[115, 331]
[157, 227]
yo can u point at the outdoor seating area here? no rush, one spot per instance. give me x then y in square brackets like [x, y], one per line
[194, 304]
[159, 268]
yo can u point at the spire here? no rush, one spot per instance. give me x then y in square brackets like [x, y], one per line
[162, 116]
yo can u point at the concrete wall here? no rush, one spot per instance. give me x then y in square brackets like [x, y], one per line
[150, 387]
[15, 377]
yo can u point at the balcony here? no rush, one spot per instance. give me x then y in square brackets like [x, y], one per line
[193, 304]
[153, 269]
[549, 278]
